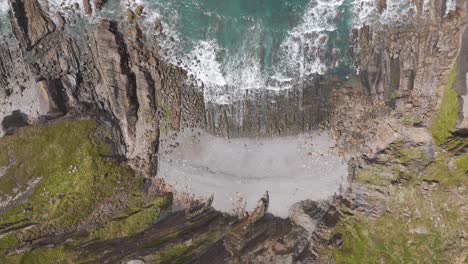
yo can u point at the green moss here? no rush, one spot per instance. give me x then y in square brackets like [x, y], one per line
[158, 103]
[7, 241]
[446, 117]
[4, 159]
[133, 224]
[410, 120]
[439, 170]
[392, 237]
[461, 166]
[167, 115]
[408, 154]
[407, 121]
[55, 255]
[371, 175]
[75, 177]
[173, 252]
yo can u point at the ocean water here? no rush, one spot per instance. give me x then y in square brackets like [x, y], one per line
[232, 46]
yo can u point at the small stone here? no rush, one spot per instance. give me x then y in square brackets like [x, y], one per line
[421, 230]
[417, 213]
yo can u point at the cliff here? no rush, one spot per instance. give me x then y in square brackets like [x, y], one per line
[400, 121]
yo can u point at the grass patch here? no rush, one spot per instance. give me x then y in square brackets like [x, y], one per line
[75, 178]
[393, 237]
[371, 175]
[173, 252]
[4, 159]
[134, 223]
[446, 117]
[55, 255]
[7, 241]
[441, 171]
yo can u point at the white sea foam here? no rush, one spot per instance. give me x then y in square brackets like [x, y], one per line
[363, 12]
[451, 5]
[300, 56]
[226, 79]
[4, 7]
[303, 48]
[396, 11]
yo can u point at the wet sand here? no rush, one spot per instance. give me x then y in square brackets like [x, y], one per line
[239, 171]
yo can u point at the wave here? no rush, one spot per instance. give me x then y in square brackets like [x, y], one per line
[226, 75]
[302, 54]
[4, 7]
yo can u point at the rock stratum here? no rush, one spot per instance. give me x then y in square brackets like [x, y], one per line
[87, 107]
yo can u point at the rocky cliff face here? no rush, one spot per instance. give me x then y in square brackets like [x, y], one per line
[53, 67]
[48, 72]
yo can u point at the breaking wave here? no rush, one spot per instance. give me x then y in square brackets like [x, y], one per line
[231, 46]
[226, 73]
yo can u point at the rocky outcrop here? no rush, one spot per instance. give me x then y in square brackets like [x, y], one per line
[461, 86]
[115, 71]
[30, 23]
[402, 75]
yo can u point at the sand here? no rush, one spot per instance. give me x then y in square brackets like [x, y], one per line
[238, 171]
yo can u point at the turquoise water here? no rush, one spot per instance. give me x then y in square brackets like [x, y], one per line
[233, 45]
[230, 46]
[253, 27]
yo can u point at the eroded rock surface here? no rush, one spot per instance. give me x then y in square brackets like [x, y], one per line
[113, 70]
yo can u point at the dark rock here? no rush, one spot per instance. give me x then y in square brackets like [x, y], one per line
[14, 121]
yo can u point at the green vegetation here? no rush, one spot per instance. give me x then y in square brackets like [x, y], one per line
[173, 252]
[414, 229]
[420, 219]
[7, 241]
[371, 176]
[75, 185]
[441, 170]
[55, 255]
[167, 115]
[4, 159]
[132, 224]
[387, 241]
[71, 173]
[446, 117]
[410, 120]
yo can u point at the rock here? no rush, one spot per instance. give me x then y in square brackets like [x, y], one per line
[135, 262]
[99, 3]
[421, 230]
[87, 8]
[310, 214]
[60, 20]
[131, 17]
[260, 210]
[381, 6]
[14, 121]
[139, 10]
[31, 23]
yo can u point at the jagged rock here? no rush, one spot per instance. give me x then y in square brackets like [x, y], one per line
[260, 210]
[99, 3]
[30, 22]
[381, 5]
[16, 120]
[131, 17]
[87, 8]
[139, 10]
[310, 214]
[60, 20]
